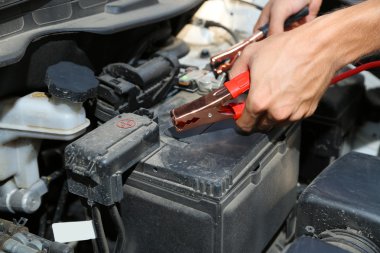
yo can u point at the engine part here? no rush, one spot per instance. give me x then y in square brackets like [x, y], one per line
[351, 240]
[124, 88]
[25, 121]
[28, 22]
[324, 133]
[69, 81]
[210, 190]
[16, 239]
[345, 195]
[39, 116]
[188, 81]
[27, 200]
[95, 162]
[373, 104]
[333, 241]
[200, 80]
[312, 245]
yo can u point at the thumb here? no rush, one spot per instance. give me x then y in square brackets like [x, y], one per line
[280, 13]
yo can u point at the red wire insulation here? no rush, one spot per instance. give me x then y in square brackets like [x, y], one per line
[344, 75]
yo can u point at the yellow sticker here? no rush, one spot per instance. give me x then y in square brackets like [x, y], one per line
[39, 95]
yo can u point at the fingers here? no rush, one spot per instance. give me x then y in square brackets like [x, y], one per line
[277, 11]
[253, 113]
[266, 123]
[261, 114]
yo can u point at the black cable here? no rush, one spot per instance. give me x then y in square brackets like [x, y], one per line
[42, 226]
[253, 4]
[121, 235]
[59, 209]
[86, 212]
[170, 80]
[61, 203]
[101, 239]
[210, 23]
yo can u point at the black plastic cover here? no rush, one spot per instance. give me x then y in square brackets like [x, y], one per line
[373, 104]
[96, 161]
[312, 245]
[70, 81]
[21, 24]
[324, 133]
[8, 3]
[345, 195]
[336, 103]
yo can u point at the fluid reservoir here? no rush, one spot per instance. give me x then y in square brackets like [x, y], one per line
[57, 115]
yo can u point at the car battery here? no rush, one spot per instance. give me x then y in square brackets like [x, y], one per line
[211, 189]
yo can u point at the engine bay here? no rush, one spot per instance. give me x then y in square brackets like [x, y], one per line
[91, 161]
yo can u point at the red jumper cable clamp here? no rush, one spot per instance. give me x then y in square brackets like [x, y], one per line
[213, 107]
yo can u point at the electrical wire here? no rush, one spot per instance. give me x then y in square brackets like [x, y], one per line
[210, 23]
[59, 209]
[43, 223]
[61, 203]
[121, 234]
[101, 239]
[260, 8]
[351, 72]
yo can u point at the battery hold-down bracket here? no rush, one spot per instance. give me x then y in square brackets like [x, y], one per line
[95, 162]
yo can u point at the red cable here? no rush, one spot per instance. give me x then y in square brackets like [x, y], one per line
[344, 75]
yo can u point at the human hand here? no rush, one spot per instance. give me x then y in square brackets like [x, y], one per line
[289, 74]
[277, 11]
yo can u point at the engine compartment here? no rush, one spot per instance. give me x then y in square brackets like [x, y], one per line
[86, 135]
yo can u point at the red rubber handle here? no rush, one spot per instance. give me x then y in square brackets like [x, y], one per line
[239, 84]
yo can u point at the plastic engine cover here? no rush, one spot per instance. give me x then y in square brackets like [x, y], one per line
[343, 196]
[96, 161]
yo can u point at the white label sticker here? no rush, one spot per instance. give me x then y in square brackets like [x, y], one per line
[73, 231]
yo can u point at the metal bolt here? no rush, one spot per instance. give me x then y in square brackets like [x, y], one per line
[310, 229]
[210, 115]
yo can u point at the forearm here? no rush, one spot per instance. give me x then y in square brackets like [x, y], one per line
[349, 33]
